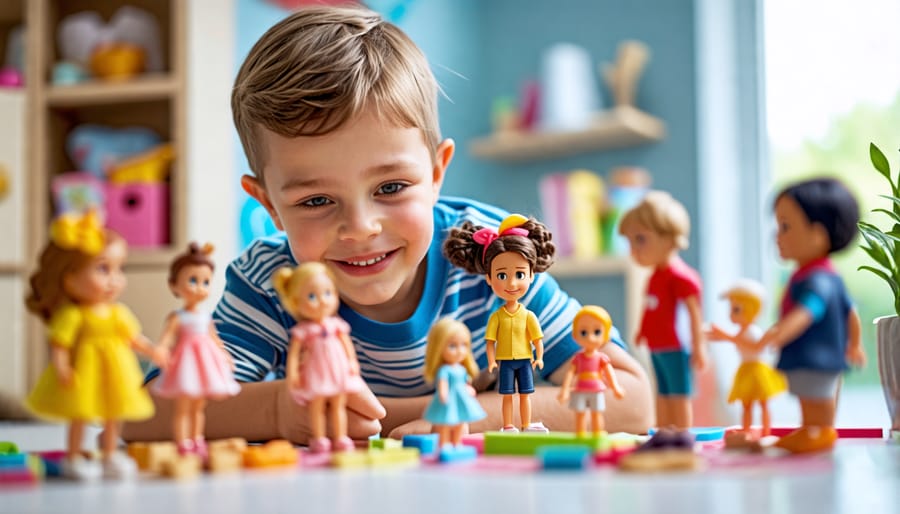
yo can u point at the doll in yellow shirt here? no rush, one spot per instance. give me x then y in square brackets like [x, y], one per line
[508, 257]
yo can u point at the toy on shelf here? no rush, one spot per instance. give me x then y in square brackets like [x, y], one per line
[149, 167]
[198, 366]
[591, 369]
[627, 186]
[818, 331]
[508, 257]
[76, 192]
[450, 366]
[622, 77]
[93, 375]
[657, 228]
[755, 381]
[97, 149]
[321, 362]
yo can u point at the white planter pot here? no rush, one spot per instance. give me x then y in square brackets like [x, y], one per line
[889, 365]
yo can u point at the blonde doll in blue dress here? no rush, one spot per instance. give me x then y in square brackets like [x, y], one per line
[450, 366]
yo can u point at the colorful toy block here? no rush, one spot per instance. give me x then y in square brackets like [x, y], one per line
[7, 447]
[385, 444]
[427, 444]
[139, 212]
[182, 467]
[462, 453]
[151, 456]
[564, 457]
[507, 443]
[275, 453]
[226, 455]
[52, 462]
[703, 434]
[20, 469]
[475, 441]
[394, 457]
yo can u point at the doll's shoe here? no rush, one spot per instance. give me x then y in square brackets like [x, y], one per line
[344, 444]
[320, 445]
[808, 439]
[536, 428]
[510, 428]
[186, 447]
[200, 449]
[119, 466]
[79, 468]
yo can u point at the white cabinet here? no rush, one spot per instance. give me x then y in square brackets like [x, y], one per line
[12, 179]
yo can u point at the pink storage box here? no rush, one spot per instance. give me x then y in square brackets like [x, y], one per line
[139, 212]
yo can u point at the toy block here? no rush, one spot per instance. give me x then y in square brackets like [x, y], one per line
[509, 443]
[564, 457]
[350, 460]
[52, 462]
[461, 453]
[182, 467]
[385, 444]
[392, 457]
[275, 453]
[12, 460]
[703, 434]
[151, 456]
[226, 455]
[667, 459]
[8, 447]
[843, 433]
[475, 441]
[426, 443]
[21, 469]
[613, 455]
[238, 444]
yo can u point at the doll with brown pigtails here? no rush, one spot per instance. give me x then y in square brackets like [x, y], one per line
[198, 367]
[93, 374]
[508, 257]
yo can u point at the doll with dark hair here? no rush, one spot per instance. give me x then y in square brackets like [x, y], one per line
[508, 257]
[818, 332]
[199, 367]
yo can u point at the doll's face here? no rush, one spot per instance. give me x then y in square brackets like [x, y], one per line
[315, 299]
[798, 239]
[456, 348]
[101, 280]
[192, 283]
[648, 247]
[740, 312]
[590, 333]
[510, 276]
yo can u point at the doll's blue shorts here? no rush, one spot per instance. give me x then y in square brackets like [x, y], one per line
[516, 372]
[673, 372]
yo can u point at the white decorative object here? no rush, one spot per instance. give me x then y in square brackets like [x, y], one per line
[80, 33]
[569, 96]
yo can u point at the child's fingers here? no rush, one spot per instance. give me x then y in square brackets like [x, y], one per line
[365, 404]
[361, 428]
[416, 426]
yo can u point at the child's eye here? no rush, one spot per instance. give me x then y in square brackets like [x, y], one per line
[501, 276]
[520, 275]
[391, 188]
[314, 202]
[640, 239]
[327, 293]
[311, 297]
[193, 281]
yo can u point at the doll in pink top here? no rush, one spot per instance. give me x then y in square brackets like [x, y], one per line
[321, 362]
[591, 370]
[198, 367]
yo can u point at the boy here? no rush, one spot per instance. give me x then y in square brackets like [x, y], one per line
[337, 113]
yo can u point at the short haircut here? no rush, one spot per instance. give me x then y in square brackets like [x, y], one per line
[662, 214]
[829, 203]
[322, 66]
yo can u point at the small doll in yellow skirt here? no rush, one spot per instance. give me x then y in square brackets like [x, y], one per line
[755, 380]
[93, 374]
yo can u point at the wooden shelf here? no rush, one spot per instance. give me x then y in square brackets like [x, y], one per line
[151, 257]
[600, 266]
[96, 92]
[620, 127]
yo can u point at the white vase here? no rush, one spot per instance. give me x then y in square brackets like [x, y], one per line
[889, 365]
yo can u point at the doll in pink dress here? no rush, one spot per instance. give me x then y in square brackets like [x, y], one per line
[321, 362]
[198, 367]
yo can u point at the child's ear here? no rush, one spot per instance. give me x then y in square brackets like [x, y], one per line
[820, 239]
[442, 157]
[254, 188]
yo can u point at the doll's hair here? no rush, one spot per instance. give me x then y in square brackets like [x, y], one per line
[320, 67]
[661, 213]
[598, 313]
[286, 280]
[47, 292]
[438, 337]
[463, 250]
[828, 202]
[195, 255]
[750, 294]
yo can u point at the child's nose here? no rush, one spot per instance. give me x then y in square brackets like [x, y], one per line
[360, 222]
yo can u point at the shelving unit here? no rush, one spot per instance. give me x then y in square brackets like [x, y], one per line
[619, 127]
[38, 119]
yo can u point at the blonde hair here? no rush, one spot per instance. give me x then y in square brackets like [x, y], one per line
[749, 293]
[286, 280]
[598, 313]
[322, 66]
[661, 213]
[438, 337]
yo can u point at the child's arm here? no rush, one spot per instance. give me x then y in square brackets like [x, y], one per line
[855, 353]
[788, 328]
[698, 353]
[260, 412]
[538, 354]
[565, 388]
[292, 365]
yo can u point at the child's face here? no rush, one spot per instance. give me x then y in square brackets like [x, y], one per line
[590, 333]
[101, 280]
[315, 299]
[510, 276]
[192, 283]
[649, 248]
[456, 348]
[359, 200]
[798, 239]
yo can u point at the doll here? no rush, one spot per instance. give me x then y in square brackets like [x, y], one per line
[818, 331]
[755, 381]
[449, 364]
[93, 374]
[508, 257]
[321, 364]
[657, 228]
[592, 368]
[198, 367]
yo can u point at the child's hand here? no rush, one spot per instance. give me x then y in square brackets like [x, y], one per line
[414, 427]
[160, 356]
[563, 396]
[363, 414]
[856, 356]
[715, 333]
[537, 364]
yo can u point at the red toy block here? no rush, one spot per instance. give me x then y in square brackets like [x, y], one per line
[139, 213]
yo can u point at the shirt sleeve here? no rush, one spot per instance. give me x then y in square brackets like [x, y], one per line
[490, 333]
[813, 294]
[64, 325]
[127, 324]
[686, 286]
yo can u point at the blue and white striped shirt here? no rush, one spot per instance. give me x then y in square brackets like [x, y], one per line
[255, 328]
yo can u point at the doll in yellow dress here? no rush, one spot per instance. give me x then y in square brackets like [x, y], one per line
[755, 381]
[94, 375]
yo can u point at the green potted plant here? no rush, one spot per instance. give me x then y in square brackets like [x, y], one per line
[883, 246]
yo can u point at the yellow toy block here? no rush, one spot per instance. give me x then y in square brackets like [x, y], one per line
[151, 456]
[278, 452]
[389, 457]
[182, 467]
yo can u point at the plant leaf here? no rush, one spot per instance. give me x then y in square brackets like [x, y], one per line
[878, 255]
[895, 287]
[893, 215]
[881, 163]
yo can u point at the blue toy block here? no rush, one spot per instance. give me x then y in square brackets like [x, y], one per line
[12, 460]
[703, 434]
[461, 453]
[426, 443]
[564, 457]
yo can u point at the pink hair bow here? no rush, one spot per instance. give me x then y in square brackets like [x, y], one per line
[486, 236]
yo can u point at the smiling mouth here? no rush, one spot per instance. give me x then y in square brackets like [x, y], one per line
[513, 291]
[367, 262]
